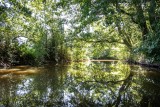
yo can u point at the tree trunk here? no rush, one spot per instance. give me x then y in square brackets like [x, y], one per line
[152, 14]
[141, 20]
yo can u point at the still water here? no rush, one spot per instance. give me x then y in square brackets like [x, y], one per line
[91, 84]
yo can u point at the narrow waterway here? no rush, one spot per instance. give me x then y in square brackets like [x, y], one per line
[87, 84]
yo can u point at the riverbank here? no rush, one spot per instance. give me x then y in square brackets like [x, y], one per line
[4, 65]
[154, 65]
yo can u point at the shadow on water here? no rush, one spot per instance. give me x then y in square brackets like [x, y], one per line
[92, 84]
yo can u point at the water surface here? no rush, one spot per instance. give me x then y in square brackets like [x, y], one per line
[92, 84]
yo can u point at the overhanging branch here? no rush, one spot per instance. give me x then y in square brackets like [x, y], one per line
[102, 41]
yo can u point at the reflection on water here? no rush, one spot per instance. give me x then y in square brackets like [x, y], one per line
[95, 84]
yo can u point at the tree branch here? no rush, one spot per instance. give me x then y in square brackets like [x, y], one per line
[100, 41]
[104, 82]
[131, 15]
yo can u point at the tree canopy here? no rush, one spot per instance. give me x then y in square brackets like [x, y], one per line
[62, 30]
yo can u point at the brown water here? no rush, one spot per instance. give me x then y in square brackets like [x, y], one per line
[95, 84]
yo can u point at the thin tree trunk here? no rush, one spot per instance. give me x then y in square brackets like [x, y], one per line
[141, 19]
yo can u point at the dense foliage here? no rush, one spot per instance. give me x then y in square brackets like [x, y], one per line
[36, 31]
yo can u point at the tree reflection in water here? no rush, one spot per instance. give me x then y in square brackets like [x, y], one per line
[95, 84]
